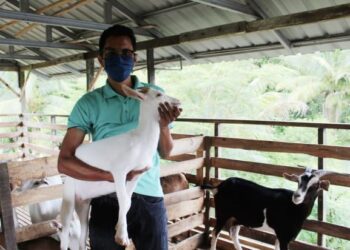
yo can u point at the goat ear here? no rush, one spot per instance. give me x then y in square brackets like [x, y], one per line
[324, 185]
[132, 93]
[291, 177]
[143, 90]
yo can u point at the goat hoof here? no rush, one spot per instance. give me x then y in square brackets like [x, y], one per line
[122, 239]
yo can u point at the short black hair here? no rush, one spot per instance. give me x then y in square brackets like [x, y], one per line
[116, 30]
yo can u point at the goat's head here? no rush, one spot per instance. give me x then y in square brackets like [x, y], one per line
[42, 182]
[309, 185]
[151, 97]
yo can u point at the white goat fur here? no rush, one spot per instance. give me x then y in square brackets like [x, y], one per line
[50, 209]
[118, 154]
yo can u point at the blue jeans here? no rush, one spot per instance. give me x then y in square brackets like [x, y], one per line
[147, 223]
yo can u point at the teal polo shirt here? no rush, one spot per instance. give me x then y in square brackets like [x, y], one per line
[104, 113]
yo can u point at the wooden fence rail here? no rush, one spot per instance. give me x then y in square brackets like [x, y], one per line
[187, 156]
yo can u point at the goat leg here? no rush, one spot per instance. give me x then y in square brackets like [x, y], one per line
[121, 236]
[82, 209]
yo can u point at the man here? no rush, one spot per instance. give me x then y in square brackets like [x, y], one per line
[105, 112]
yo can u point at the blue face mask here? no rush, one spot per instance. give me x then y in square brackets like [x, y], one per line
[119, 67]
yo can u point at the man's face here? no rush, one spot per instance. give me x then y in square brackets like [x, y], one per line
[119, 44]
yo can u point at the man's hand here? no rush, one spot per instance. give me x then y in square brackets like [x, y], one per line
[168, 114]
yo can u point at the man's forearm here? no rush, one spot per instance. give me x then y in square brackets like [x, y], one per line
[165, 142]
[72, 166]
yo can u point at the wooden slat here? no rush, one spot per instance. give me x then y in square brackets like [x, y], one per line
[15, 145]
[187, 145]
[20, 171]
[225, 243]
[183, 195]
[45, 125]
[36, 195]
[10, 124]
[41, 149]
[327, 228]
[337, 152]
[10, 135]
[11, 156]
[267, 123]
[190, 243]
[270, 238]
[182, 136]
[179, 167]
[184, 208]
[274, 170]
[36, 231]
[42, 136]
[185, 224]
[183, 157]
[191, 178]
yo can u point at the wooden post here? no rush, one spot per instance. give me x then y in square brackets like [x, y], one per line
[90, 68]
[217, 153]
[23, 99]
[207, 165]
[53, 131]
[321, 211]
[150, 66]
[6, 216]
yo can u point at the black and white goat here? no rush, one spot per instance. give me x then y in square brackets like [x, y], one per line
[242, 202]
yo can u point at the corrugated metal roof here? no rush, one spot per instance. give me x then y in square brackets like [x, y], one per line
[193, 16]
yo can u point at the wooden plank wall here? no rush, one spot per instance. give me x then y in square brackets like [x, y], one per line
[184, 208]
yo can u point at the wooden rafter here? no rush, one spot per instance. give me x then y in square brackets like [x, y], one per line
[59, 13]
[23, 90]
[307, 17]
[9, 87]
[94, 80]
[38, 11]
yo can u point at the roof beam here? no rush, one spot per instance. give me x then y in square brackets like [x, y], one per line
[279, 35]
[21, 57]
[40, 44]
[239, 28]
[58, 13]
[42, 54]
[228, 5]
[141, 22]
[85, 37]
[59, 21]
[174, 7]
[38, 11]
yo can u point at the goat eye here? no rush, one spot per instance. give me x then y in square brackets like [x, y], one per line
[159, 95]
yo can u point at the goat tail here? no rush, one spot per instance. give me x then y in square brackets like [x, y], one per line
[211, 188]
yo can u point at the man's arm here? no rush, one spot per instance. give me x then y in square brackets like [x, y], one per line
[70, 165]
[167, 115]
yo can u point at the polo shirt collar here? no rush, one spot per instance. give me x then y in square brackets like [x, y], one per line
[109, 92]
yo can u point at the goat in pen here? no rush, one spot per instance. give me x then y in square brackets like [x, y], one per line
[119, 155]
[242, 202]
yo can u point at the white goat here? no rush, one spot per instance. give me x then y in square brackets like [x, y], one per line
[50, 210]
[119, 155]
